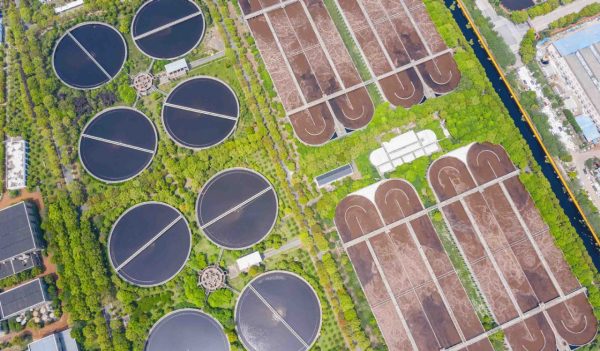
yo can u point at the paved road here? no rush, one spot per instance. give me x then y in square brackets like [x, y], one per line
[290, 245]
[510, 32]
[208, 59]
[540, 23]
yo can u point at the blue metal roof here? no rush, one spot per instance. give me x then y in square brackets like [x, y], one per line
[588, 127]
[578, 40]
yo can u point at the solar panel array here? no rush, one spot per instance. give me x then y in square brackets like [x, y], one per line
[16, 234]
[21, 298]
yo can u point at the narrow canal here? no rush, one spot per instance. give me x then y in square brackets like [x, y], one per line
[534, 144]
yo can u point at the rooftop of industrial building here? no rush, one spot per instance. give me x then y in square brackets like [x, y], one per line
[588, 127]
[578, 40]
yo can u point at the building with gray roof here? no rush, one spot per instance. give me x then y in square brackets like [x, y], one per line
[22, 298]
[588, 129]
[20, 239]
[56, 342]
[334, 175]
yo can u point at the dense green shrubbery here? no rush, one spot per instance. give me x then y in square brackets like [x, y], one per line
[501, 51]
[588, 11]
[544, 8]
[528, 49]
[571, 118]
[540, 9]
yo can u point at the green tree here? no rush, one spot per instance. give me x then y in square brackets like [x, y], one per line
[127, 94]
[519, 16]
[528, 49]
[222, 298]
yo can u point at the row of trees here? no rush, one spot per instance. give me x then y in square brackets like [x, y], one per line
[565, 21]
[20, 277]
[532, 104]
[540, 9]
[2, 112]
[84, 282]
[501, 51]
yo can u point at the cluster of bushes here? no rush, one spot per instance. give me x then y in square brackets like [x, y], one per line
[20, 341]
[565, 21]
[540, 9]
[19, 278]
[528, 49]
[571, 119]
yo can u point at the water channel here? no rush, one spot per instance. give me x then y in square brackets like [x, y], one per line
[534, 144]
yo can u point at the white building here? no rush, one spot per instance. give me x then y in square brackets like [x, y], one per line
[16, 163]
[403, 149]
[253, 259]
[65, 7]
[177, 69]
[68, 6]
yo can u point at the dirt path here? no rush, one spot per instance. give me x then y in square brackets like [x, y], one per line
[36, 197]
[58, 326]
[50, 267]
